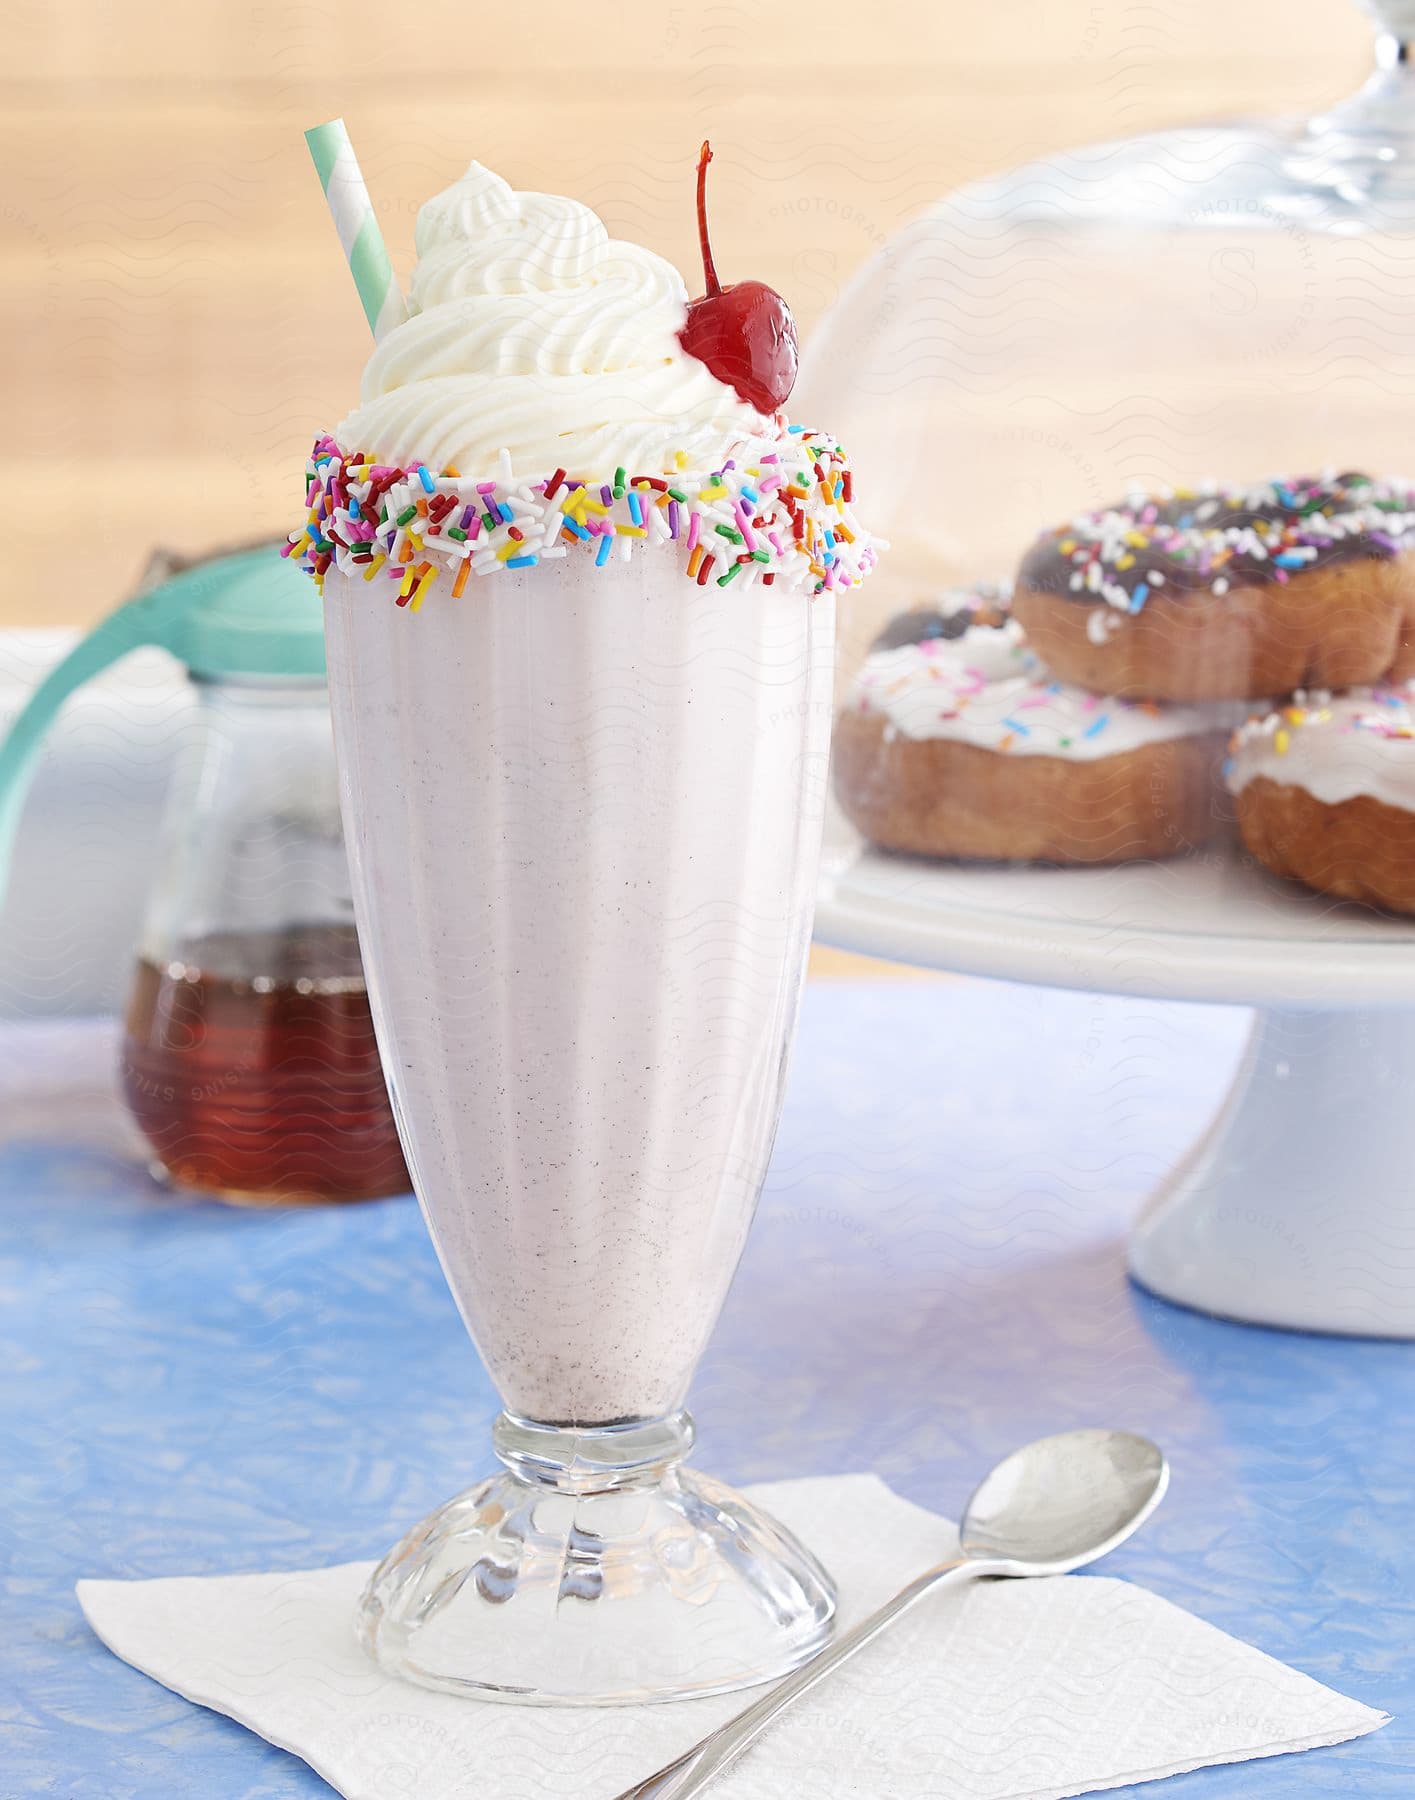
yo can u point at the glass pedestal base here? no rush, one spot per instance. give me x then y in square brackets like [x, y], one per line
[595, 1571]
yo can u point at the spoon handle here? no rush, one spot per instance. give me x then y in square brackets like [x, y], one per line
[692, 1771]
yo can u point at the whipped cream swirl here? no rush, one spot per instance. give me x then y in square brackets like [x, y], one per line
[535, 333]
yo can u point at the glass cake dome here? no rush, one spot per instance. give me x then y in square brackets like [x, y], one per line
[1227, 302]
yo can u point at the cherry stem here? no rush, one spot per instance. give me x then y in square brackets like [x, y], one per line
[714, 286]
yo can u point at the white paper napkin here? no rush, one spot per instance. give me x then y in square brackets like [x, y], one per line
[1021, 1690]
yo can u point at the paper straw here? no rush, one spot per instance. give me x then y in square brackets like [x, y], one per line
[352, 210]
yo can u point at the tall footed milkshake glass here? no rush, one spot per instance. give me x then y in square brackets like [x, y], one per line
[582, 726]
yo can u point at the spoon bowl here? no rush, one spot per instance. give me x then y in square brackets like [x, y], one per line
[1063, 1501]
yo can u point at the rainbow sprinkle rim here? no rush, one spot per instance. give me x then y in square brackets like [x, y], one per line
[776, 511]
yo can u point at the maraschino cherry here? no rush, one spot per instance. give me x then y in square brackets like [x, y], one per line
[744, 333]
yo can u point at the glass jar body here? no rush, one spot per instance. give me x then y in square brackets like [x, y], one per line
[249, 1059]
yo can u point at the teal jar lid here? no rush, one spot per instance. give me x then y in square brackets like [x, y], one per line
[250, 613]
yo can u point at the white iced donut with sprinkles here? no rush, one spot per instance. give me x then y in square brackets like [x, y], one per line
[955, 742]
[1325, 793]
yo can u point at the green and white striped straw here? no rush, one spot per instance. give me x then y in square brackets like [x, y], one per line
[364, 249]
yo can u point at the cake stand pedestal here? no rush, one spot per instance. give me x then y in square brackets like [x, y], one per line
[1297, 1206]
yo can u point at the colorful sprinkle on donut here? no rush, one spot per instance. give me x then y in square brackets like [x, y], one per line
[1214, 539]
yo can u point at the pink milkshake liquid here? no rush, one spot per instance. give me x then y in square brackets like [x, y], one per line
[583, 817]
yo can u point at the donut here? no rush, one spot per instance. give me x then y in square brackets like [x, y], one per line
[1212, 594]
[955, 742]
[1325, 793]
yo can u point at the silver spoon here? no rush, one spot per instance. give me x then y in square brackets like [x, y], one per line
[1051, 1507]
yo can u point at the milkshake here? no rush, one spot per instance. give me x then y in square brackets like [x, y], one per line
[579, 589]
[584, 849]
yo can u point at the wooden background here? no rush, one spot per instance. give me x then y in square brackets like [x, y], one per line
[177, 319]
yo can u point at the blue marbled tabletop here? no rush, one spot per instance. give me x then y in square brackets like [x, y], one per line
[936, 1275]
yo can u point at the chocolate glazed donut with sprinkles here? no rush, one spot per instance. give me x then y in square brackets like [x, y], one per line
[1229, 593]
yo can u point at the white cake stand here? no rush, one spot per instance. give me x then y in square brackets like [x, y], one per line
[1297, 1206]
